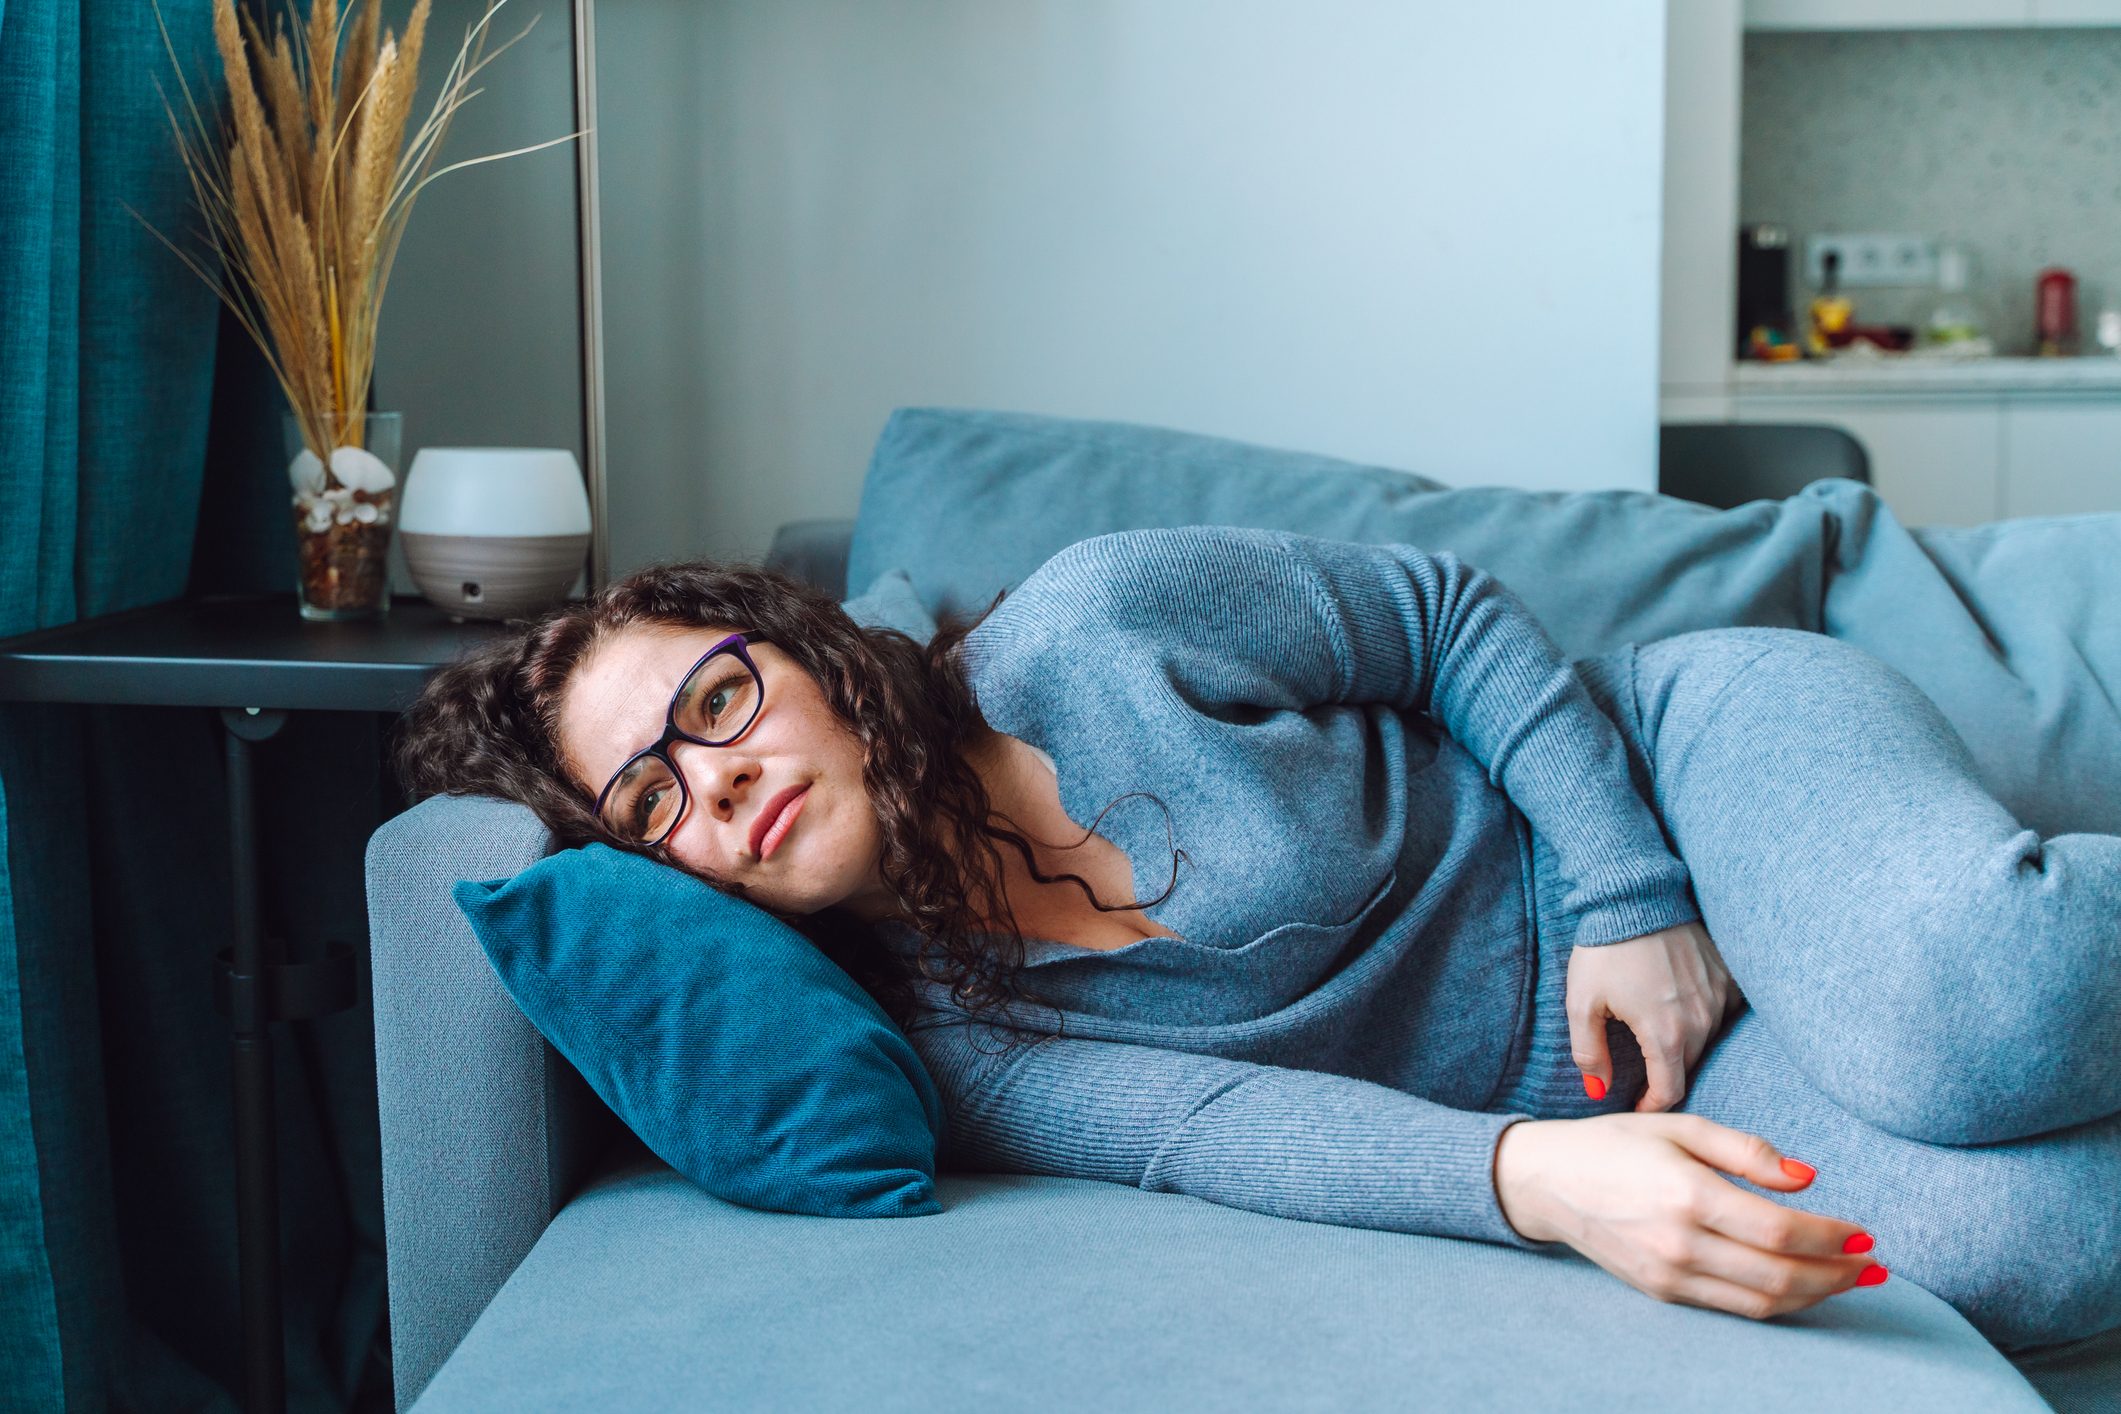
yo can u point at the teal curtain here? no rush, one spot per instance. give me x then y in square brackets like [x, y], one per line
[118, 421]
[104, 394]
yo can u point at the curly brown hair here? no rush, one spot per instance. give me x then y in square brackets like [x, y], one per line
[487, 724]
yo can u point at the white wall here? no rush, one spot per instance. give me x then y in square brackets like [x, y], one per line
[1422, 235]
[480, 340]
[1704, 42]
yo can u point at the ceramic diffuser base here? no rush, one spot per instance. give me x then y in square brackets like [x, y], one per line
[493, 576]
[494, 532]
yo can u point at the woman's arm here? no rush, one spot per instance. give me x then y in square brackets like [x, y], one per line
[1294, 1143]
[1246, 619]
[1625, 1190]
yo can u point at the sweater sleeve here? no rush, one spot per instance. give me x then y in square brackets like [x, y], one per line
[1245, 619]
[1299, 1144]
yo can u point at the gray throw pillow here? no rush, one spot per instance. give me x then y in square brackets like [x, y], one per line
[891, 602]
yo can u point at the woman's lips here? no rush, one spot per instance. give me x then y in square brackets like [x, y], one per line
[772, 823]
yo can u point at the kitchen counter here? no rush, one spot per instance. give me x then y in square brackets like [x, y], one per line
[1916, 375]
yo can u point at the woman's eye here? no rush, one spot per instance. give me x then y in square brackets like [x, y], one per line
[731, 699]
[645, 808]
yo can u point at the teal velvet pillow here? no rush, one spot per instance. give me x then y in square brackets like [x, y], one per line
[743, 1056]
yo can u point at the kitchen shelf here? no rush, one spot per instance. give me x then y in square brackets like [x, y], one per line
[1890, 374]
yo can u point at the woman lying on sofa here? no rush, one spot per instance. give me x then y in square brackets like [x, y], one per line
[1340, 895]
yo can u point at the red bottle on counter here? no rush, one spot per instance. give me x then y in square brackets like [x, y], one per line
[2057, 313]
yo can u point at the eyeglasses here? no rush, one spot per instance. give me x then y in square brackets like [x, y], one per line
[715, 703]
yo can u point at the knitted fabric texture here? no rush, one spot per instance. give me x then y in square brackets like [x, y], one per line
[1350, 745]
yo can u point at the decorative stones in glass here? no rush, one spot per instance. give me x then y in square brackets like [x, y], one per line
[344, 506]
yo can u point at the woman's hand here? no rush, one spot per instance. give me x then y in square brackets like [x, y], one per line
[1637, 1194]
[1670, 988]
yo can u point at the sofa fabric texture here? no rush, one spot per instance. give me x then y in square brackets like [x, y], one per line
[1044, 1294]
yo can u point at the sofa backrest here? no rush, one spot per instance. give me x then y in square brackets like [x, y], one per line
[1005, 491]
[2012, 628]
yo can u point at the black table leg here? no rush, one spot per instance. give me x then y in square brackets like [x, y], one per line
[254, 989]
[250, 1051]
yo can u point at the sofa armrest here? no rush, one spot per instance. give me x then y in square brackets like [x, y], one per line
[486, 1130]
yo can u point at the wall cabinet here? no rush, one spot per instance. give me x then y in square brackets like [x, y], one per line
[2063, 458]
[2076, 12]
[1961, 460]
[1927, 14]
[1934, 461]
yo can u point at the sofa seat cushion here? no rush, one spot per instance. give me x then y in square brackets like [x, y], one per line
[1026, 1292]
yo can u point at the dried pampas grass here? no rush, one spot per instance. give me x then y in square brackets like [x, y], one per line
[307, 187]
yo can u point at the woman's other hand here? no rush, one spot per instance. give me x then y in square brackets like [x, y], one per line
[1638, 1195]
[1669, 987]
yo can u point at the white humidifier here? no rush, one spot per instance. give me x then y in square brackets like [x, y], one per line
[494, 532]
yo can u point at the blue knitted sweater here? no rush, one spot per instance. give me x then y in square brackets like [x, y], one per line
[1347, 741]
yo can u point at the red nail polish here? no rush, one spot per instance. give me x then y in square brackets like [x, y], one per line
[1858, 1242]
[1872, 1276]
[1594, 1087]
[1795, 1169]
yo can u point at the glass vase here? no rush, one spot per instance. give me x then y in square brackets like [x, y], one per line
[344, 507]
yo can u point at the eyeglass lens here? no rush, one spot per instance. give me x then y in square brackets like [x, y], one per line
[714, 704]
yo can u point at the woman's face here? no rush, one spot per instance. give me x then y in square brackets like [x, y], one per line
[826, 848]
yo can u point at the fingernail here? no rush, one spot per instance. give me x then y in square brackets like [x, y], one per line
[1858, 1242]
[1594, 1087]
[1872, 1276]
[1799, 1170]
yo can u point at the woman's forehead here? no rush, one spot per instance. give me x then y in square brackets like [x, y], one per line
[615, 700]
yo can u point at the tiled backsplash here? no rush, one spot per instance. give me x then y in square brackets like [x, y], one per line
[2007, 142]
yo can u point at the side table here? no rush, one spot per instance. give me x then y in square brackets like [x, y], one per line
[255, 659]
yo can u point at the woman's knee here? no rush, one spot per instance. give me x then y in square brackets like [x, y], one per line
[1999, 1018]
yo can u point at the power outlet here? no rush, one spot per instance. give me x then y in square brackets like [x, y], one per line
[1873, 260]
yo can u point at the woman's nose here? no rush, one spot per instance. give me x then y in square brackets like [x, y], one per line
[719, 777]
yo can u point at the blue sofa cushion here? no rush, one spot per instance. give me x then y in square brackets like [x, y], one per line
[645, 1294]
[739, 1053]
[972, 501]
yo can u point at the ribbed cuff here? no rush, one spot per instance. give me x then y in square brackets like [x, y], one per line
[1514, 1238]
[1626, 919]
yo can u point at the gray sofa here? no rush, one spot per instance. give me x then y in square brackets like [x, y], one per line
[540, 1258]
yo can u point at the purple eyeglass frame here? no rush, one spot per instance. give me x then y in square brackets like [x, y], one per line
[734, 644]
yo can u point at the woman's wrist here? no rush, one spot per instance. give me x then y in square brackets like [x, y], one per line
[1521, 1177]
